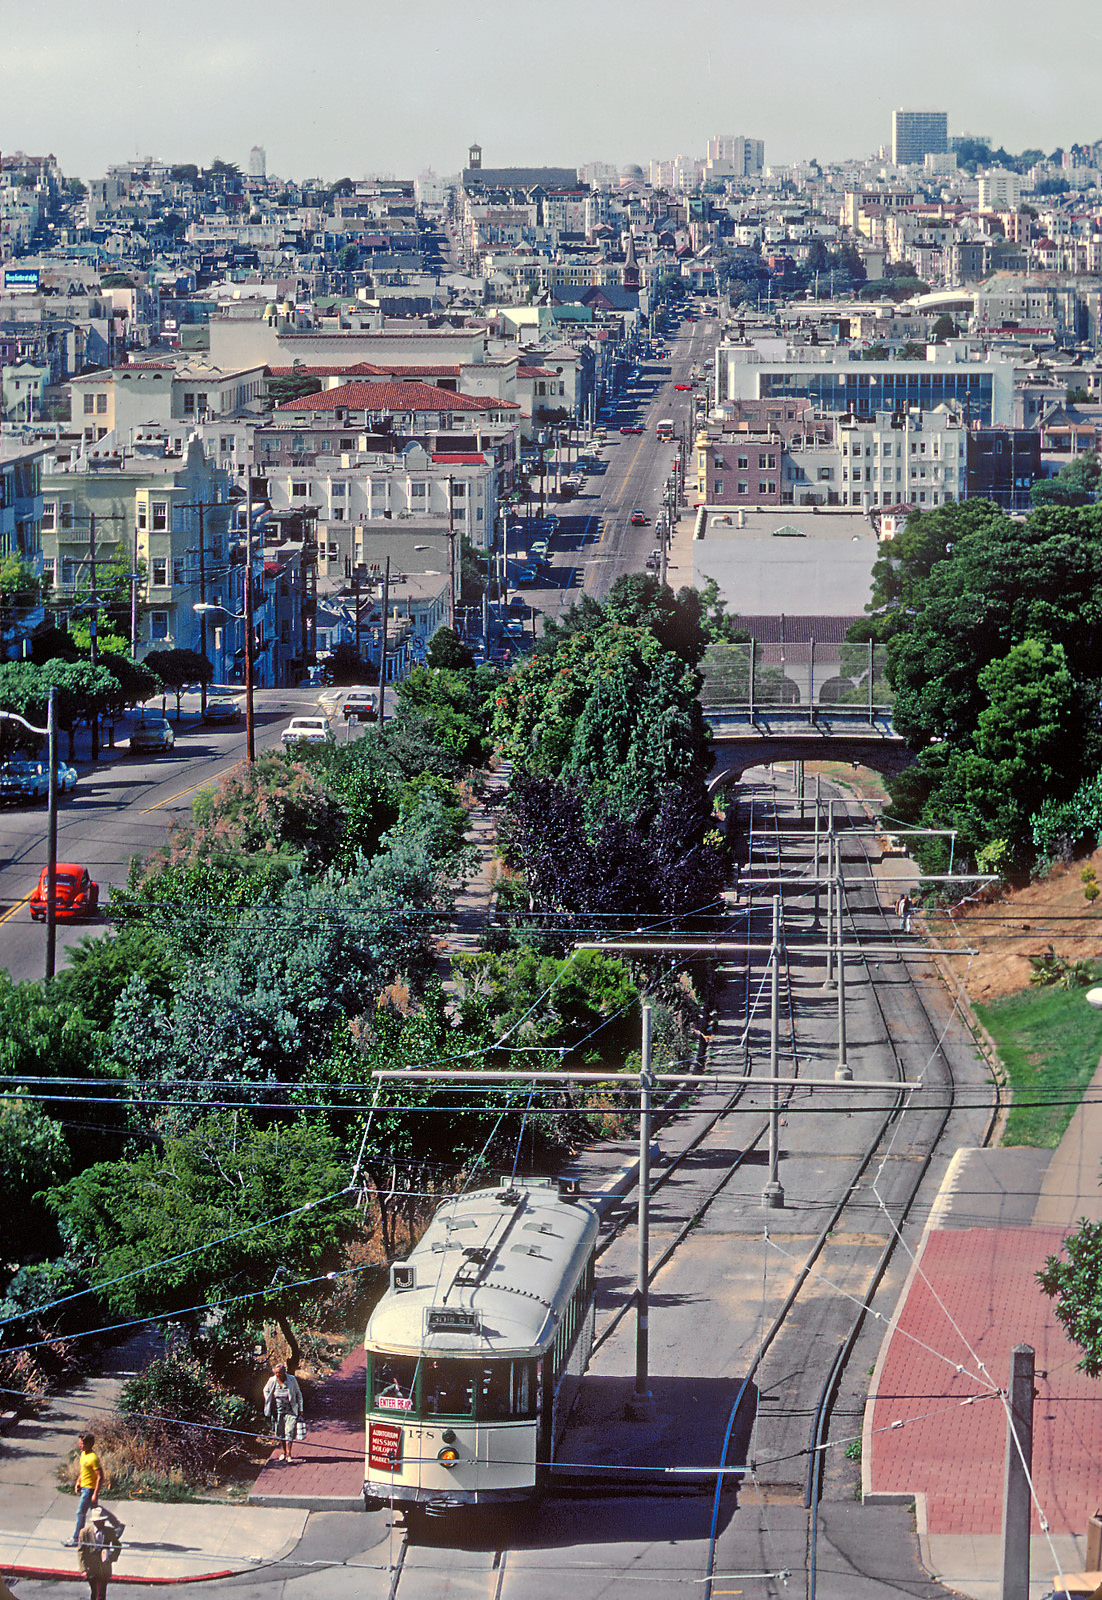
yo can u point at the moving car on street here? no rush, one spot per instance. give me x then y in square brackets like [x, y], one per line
[361, 703]
[75, 893]
[222, 709]
[312, 730]
[639, 519]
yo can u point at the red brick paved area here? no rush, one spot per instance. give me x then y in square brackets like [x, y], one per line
[330, 1463]
[953, 1451]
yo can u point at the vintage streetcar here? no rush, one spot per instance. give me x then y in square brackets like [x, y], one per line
[475, 1352]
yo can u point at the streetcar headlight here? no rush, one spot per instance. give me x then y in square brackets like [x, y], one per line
[448, 1456]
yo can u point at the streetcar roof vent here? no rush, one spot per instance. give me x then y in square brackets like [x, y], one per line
[402, 1276]
[477, 1252]
[540, 1227]
[531, 1250]
[451, 1319]
[460, 1222]
[510, 1197]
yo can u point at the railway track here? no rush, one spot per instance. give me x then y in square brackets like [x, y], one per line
[764, 1382]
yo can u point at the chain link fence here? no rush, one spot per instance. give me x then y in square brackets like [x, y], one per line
[752, 675]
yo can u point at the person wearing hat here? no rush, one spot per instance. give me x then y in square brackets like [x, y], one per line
[97, 1551]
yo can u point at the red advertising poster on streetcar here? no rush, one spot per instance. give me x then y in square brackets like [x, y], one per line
[384, 1446]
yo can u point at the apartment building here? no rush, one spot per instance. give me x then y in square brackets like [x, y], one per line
[123, 398]
[916, 134]
[136, 510]
[917, 458]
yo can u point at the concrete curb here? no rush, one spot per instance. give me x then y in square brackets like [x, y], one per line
[64, 1576]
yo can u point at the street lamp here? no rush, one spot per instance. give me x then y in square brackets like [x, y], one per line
[204, 609]
[50, 730]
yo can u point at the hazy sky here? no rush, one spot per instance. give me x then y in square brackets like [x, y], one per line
[394, 86]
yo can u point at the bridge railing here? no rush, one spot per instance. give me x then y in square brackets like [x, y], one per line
[834, 678]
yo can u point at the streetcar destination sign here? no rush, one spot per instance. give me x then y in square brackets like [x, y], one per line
[384, 1446]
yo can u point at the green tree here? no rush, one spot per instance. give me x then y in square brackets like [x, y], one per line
[33, 1156]
[179, 669]
[133, 1220]
[1075, 1283]
[446, 649]
[1076, 483]
[944, 328]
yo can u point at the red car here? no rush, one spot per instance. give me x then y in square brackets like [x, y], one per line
[638, 519]
[631, 427]
[75, 894]
[682, 385]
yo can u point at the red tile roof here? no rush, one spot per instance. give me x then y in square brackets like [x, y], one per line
[363, 369]
[460, 460]
[394, 396]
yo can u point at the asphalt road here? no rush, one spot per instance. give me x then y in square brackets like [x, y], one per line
[595, 542]
[122, 807]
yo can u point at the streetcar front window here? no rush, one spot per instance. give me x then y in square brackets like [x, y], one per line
[393, 1379]
[447, 1388]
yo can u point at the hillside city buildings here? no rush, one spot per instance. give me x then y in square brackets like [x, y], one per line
[217, 376]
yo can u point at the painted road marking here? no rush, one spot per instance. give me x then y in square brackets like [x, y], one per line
[180, 793]
[18, 906]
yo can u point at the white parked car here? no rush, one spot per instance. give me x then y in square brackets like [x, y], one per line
[311, 730]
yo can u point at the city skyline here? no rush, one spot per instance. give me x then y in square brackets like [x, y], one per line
[384, 92]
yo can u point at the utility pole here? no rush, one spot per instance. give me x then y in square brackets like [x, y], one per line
[382, 646]
[773, 1195]
[250, 728]
[93, 642]
[356, 601]
[51, 838]
[641, 1406]
[451, 557]
[1019, 1466]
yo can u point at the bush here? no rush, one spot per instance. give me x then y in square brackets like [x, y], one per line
[176, 1424]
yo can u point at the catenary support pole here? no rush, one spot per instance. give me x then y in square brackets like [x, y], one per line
[773, 1195]
[641, 1405]
[842, 1071]
[1019, 1466]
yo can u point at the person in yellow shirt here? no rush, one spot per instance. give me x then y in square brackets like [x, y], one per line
[88, 1485]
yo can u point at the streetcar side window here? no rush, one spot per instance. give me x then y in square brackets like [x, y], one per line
[447, 1388]
[393, 1380]
[505, 1389]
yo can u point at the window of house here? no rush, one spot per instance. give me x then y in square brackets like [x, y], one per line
[49, 516]
[160, 571]
[458, 490]
[89, 404]
[158, 625]
[160, 516]
[178, 577]
[417, 491]
[101, 404]
[744, 488]
[216, 547]
[338, 490]
[743, 462]
[68, 572]
[142, 515]
[189, 404]
[66, 513]
[48, 565]
[764, 488]
[225, 445]
[348, 444]
[338, 513]
[719, 486]
[201, 401]
[771, 461]
[299, 489]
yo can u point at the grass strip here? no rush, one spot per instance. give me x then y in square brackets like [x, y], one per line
[1049, 1042]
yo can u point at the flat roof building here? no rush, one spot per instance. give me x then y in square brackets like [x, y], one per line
[917, 134]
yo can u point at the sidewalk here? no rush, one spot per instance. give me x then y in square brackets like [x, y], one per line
[162, 1543]
[935, 1424]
